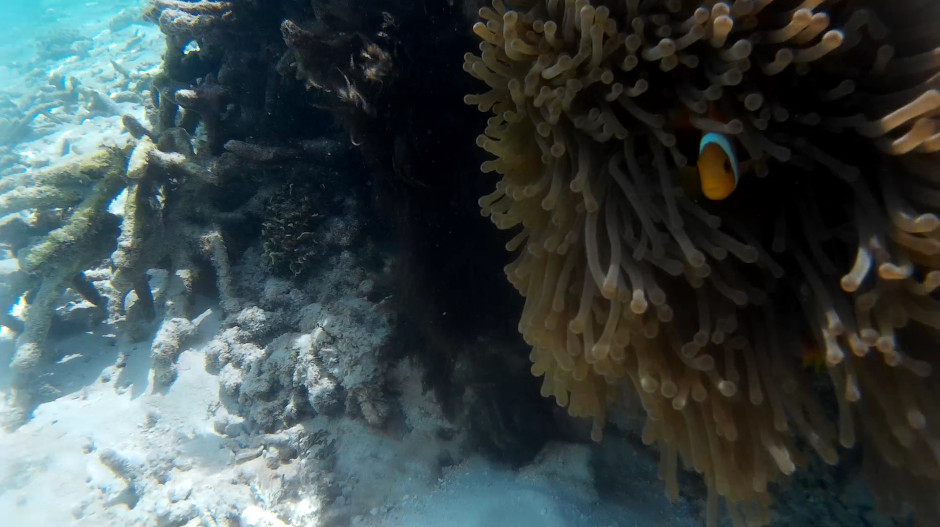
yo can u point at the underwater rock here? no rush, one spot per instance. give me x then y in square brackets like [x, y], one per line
[325, 360]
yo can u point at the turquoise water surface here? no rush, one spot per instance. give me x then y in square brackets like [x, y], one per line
[35, 32]
[68, 72]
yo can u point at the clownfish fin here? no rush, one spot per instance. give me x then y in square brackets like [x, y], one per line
[717, 166]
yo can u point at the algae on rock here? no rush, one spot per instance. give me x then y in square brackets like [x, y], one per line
[58, 224]
[131, 210]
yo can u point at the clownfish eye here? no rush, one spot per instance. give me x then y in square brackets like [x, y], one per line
[727, 165]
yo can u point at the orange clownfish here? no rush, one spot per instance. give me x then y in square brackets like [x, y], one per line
[718, 169]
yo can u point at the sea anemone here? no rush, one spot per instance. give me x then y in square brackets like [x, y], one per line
[823, 252]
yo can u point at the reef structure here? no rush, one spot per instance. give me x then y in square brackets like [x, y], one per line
[744, 324]
[54, 247]
[123, 211]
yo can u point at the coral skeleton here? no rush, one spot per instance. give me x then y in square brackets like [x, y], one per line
[167, 224]
[825, 254]
[59, 224]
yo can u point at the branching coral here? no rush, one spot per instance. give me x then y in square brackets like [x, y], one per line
[221, 68]
[167, 224]
[58, 224]
[183, 22]
[208, 100]
[705, 310]
[65, 99]
[223, 75]
[145, 207]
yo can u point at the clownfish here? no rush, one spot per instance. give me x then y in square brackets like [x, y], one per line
[718, 169]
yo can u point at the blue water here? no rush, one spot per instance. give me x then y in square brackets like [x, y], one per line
[47, 49]
[26, 25]
[45, 15]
